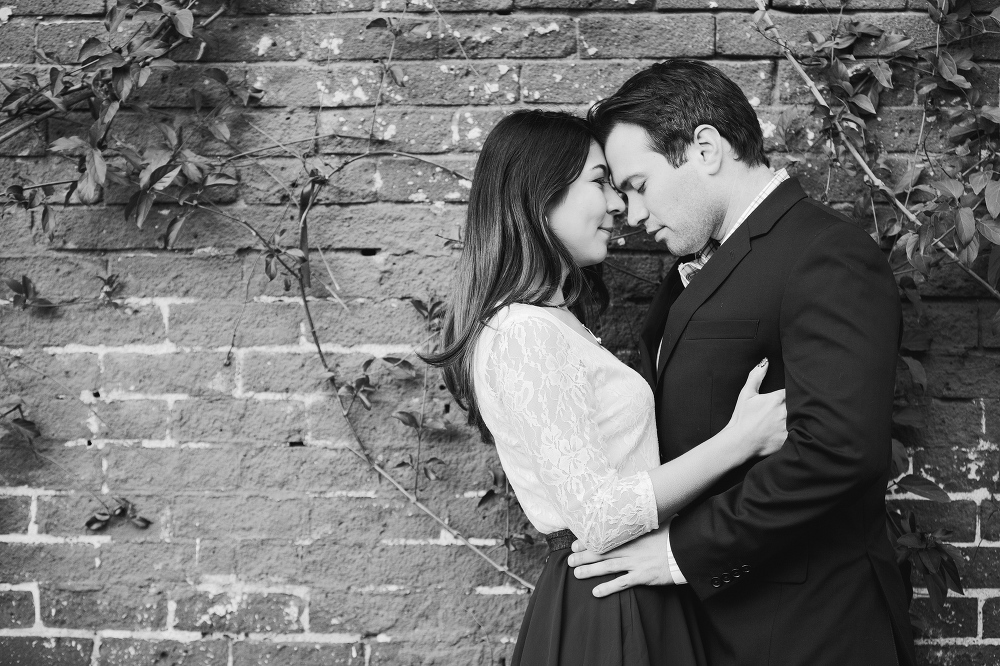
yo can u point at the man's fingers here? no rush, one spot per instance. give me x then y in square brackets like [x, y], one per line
[602, 568]
[616, 585]
[586, 557]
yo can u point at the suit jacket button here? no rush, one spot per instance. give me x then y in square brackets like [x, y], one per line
[736, 573]
[726, 578]
[746, 568]
[716, 582]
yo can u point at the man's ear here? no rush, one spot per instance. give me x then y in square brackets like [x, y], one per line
[709, 149]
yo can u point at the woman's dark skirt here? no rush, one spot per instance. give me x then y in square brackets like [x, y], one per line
[566, 625]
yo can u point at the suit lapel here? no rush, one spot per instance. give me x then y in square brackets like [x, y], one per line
[656, 319]
[722, 263]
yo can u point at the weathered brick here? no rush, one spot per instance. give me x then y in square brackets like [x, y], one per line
[304, 468]
[133, 652]
[215, 557]
[294, 373]
[132, 419]
[19, 466]
[58, 7]
[83, 325]
[207, 516]
[991, 618]
[279, 613]
[301, 654]
[356, 85]
[405, 180]
[388, 323]
[989, 519]
[32, 651]
[645, 36]
[959, 516]
[965, 376]
[59, 278]
[384, 227]
[30, 142]
[574, 82]
[631, 276]
[171, 469]
[617, 5]
[948, 325]
[233, 420]
[268, 560]
[419, 130]
[314, 38]
[989, 335]
[278, 179]
[979, 566]
[959, 618]
[958, 655]
[959, 469]
[410, 567]
[213, 324]
[178, 276]
[535, 36]
[950, 281]
[791, 89]
[898, 128]
[856, 5]
[95, 606]
[66, 515]
[15, 512]
[17, 610]
[22, 562]
[17, 41]
[158, 562]
[193, 373]
[303, 6]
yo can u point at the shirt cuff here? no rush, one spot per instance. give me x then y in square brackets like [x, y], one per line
[675, 571]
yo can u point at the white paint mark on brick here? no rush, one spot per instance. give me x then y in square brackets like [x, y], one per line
[5, 13]
[444, 539]
[768, 128]
[546, 29]
[265, 43]
[47, 539]
[33, 516]
[499, 589]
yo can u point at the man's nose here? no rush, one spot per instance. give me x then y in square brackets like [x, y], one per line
[637, 214]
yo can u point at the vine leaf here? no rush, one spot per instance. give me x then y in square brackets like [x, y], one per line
[184, 22]
[992, 193]
[926, 488]
[407, 418]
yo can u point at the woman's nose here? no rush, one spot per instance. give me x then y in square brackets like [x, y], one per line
[615, 205]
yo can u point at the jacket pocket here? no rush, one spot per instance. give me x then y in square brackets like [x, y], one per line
[716, 329]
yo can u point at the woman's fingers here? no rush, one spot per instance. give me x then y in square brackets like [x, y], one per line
[754, 380]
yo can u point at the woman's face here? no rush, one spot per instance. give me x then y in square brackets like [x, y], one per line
[584, 219]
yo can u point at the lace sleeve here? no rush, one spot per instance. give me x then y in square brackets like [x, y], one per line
[549, 406]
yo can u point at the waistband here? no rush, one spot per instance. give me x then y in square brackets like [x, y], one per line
[560, 540]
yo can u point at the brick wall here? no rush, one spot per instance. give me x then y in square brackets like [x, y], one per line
[266, 552]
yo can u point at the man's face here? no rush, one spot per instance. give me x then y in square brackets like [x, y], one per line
[673, 203]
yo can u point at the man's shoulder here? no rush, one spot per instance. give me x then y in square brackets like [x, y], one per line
[810, 219]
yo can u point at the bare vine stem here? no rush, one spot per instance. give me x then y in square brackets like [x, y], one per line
[420, 505]
[861, 161]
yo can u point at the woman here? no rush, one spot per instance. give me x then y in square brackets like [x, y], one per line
[573, 426]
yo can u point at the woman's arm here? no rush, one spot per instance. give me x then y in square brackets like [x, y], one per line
[756, 429]
[549, 407]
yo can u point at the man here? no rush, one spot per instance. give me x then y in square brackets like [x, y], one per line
[788, 556]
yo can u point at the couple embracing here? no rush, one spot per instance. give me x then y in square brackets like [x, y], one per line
[727, 505]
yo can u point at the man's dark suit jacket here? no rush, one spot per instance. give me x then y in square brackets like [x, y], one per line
[788, 555]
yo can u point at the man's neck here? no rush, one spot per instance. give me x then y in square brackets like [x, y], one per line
[744, 190]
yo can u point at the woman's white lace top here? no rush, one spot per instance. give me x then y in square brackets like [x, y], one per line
[574, 427]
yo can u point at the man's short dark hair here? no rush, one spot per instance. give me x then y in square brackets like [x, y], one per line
[670, 99]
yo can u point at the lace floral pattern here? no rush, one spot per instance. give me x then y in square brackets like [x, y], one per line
[573, 426]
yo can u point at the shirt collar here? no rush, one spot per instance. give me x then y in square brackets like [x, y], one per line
[779, 177]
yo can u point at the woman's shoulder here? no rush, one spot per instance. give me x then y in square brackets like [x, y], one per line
[520, 316]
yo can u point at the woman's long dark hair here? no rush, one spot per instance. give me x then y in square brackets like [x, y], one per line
[509, 255]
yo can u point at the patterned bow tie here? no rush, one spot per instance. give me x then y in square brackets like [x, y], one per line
[691, 268]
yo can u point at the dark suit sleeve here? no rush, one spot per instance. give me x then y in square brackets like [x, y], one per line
[839, 328]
